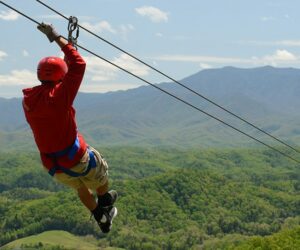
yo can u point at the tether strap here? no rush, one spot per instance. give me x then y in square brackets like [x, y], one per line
[92, 164]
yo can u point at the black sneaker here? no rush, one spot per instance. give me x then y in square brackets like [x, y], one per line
[114, 196]
[109, 213]
[108, 199]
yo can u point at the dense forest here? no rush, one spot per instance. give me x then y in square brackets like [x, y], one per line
[169, 199]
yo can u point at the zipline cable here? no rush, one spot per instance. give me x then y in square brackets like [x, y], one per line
[166, 92]
[174, 80]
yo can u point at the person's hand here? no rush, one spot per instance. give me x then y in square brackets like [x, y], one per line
[49, 31]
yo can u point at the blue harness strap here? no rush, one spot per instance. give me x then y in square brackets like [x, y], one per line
[92, 164]
[71, 152]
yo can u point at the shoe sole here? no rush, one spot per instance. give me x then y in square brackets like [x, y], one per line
[113, 213]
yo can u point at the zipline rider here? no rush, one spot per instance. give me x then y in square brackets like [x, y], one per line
[49, 111]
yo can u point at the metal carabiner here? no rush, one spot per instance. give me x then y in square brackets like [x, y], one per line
[72, 26]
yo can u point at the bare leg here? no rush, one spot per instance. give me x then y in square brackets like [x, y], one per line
[87, 198]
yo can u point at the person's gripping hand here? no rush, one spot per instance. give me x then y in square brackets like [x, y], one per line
[49, 31]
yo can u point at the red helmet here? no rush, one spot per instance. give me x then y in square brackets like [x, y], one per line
[51, 69]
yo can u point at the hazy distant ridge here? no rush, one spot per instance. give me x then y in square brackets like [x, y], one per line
[267, 96]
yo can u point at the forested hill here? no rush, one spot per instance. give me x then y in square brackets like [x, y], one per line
[177, 197]
[266, 96]
[169, 199]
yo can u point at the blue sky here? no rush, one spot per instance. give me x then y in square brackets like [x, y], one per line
[179, 38]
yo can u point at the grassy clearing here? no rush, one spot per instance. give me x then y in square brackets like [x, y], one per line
[56, 238]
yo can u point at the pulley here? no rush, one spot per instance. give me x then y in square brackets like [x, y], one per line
[73, 27]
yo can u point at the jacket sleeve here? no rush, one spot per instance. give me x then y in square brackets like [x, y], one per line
[67, 90]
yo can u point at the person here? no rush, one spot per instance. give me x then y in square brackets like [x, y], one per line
[49, 112]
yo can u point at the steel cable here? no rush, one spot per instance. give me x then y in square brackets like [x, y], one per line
[166, 92]
[175, 81]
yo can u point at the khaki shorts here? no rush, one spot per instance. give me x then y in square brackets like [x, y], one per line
[97, 177]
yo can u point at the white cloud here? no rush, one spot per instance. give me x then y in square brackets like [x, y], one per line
[18, 78]
[125, 30]
[154, 63]
[284, 55]
[205, 66]
[9, 15]
[267, 18]
[103, 75]
[130, 64]
[156, 15]
[289, 43]
[2, 55]
[98, 70]
[202, 59]
[25, 53]
[99, 27]
[295, 43]
[278, 57]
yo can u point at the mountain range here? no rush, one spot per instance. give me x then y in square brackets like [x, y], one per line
[268, 97]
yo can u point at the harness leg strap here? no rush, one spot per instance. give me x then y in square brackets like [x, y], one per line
[92, 164]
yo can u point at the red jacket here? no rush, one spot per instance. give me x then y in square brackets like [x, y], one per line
[49, 111]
